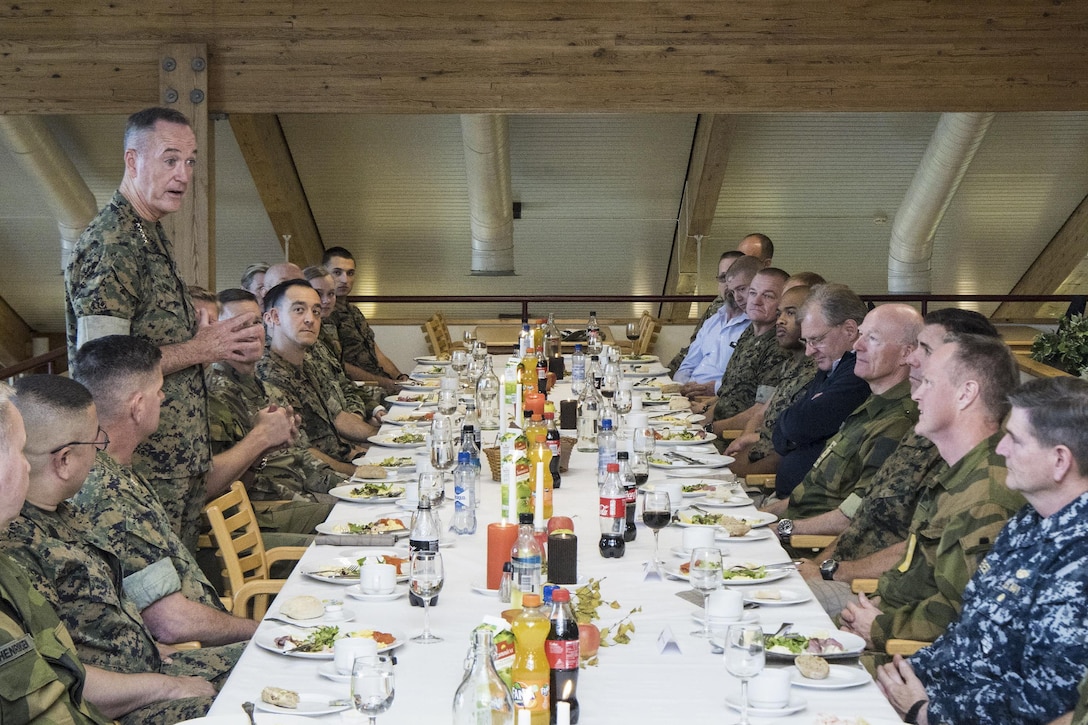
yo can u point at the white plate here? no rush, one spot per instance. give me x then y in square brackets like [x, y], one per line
[425, 372]
[748, 616]
[644, 370]
[703, 437]
[840, 678]
[796, 705]
[772, 576]
[705, 461]
[329, 527]
[429, 400]
[673, 419]
[394, 465]
[717, 503]
[389, 442]
[432, 360]
[753, 535]
[408, 419]
[242, 719]
[684, 553]
[852, 644]
[356, 593]
[314, 571]
[309, 703]
[267, 640]
[755, 519]
[789, 596]
[328, 670]
[344, 494]
[344, 615]
[424, 386]
[639, 360]
[481, 588]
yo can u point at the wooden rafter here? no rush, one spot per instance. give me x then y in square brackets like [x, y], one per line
[706, 173]
[15, 335]
[1051, 268]
[264, 146]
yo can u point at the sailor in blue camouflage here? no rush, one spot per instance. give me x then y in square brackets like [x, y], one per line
[1020, 646]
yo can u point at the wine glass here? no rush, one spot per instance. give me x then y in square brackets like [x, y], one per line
[372, 686]
[459, 361]
[642, 445]
[744, 659]
[705, 575]
[469, 336]
[426, 581]
[656, 514]
[622, 400]
[633, 332]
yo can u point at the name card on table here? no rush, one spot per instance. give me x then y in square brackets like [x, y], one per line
[666, 642]
[651, 572]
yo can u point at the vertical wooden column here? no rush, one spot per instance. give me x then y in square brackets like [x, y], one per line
[183, 84]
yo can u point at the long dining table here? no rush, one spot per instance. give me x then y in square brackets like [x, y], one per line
[663, 673]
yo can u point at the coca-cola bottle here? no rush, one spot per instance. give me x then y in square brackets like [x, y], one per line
[630, 492]
[613, 514]
[563, 652]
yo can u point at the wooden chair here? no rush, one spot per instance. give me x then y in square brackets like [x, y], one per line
[816, 542]
[437, 334]
[251, 599]
[650, 328]
[764, 481]
[239, 546]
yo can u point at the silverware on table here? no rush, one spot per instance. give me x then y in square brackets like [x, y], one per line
[248, 707]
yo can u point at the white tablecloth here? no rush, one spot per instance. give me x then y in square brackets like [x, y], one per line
[632, 684]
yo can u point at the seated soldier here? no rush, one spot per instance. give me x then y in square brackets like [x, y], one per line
[1017, 650]
[87, 585]
[869, 435]
[753, 450]
[291, 377]
[45, 681]
[962, 399]
[724, 295]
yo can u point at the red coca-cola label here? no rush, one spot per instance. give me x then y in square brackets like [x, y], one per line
[630, 495]
[562, 653]
[612, 508]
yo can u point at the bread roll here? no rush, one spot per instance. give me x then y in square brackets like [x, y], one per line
[280, 697]
[303, 607]
[812, 667]
[370, 472]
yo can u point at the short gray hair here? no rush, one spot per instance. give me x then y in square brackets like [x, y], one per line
[836, 302]
[1057, 410]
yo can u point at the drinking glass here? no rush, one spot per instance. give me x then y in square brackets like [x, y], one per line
[469, 336]
[705, 575]
[744, 659]
[633, 331]
[426, 581]
[622, 400]
[372, 686]
[459, 360]
[642, 445]
[656, 514]
[442, 445]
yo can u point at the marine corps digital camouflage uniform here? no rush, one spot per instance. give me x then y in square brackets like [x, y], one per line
[84, 585]
[356, 337]
[131, 523]
[853, 456]
[756, 361]
[318, 400]
[715, 305]
[123, 267]
[794, 378]
[956, 522]
[41, 675]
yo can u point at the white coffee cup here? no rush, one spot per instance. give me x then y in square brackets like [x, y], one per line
[770, 689]
[346, 650]
[676, 493]
[377, 578]
[698, 537]
[725, 605]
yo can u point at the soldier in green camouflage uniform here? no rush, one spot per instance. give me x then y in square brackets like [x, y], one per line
[130, 522]
[84, 585]
[794, 378]
[756, 361]
[853, 456]
[42, 675]
[958, 517]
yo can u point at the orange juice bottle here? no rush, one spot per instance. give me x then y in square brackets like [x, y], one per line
[531, 674]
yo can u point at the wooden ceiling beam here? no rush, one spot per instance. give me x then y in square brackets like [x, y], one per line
[264, 147]
[1051, 268]
[493, 56]
[15, 336]
[706, 174]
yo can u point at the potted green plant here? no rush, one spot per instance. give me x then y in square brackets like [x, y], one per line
[1066, 348]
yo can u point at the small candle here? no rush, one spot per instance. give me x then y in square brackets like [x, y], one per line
[538, 513]
[502, 403]
[562, 713]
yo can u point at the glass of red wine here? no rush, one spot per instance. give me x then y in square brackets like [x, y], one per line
[656, 514]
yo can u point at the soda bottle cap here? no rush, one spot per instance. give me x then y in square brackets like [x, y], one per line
[622, 455]
[525, 518]
[613, 468]
[536, 416]
[559, 594]
[529, 601]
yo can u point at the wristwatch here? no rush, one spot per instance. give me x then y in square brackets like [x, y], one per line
[828, 567]
[709, 427]
[785, 530]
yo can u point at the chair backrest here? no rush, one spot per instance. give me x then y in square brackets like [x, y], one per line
[647, 339]
[238, 538]
[437, 333]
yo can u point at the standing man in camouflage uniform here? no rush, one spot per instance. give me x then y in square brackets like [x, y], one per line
[869, 435]
[962, 400]
[293, 317]
[1020, 646]
[44, 679]
[122, 280]
[87, 586]
[363, 359]
[872, 526]
[753, 450]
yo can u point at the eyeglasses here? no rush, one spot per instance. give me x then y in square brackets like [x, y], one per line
[818, 341]
[100, 445]
[722, 278]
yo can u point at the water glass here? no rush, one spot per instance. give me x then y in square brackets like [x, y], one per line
[705, 576]
[425, 580]
[372, 687]
[744, 659]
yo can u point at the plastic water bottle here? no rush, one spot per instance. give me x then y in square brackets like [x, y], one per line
[606, 449]
[577, 370]
[528, 560]
[593, 335]
[464, 495]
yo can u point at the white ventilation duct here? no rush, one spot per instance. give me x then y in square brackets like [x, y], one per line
[38, 152]
[954, 142]
[487, 169]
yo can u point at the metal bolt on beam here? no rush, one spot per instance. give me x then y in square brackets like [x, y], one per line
[169, 64]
